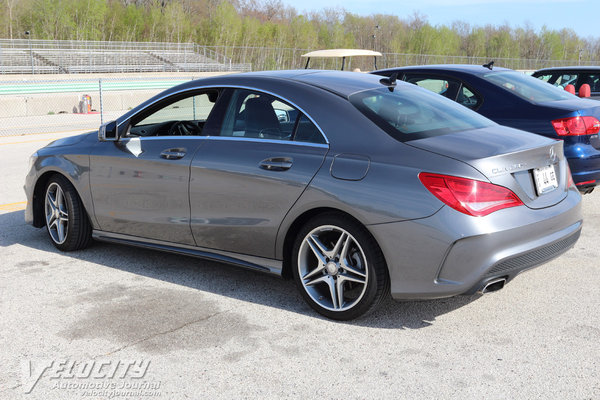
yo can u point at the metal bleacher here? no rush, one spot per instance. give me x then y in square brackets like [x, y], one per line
[22, 56]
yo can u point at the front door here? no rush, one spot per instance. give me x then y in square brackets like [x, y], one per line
[140, 184]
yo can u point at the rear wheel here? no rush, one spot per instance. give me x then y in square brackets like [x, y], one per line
[339, 268]
[66, 220]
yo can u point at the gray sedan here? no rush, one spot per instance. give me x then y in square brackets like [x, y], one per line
[353, 185]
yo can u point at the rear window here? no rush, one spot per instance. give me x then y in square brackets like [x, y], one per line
[409, 113]
[527, 87]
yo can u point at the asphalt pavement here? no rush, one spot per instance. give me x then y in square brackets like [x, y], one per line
[119, 322]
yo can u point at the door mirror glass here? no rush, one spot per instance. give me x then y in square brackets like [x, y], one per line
[108, 132]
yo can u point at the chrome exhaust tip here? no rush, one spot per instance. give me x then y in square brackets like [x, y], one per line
[493, 285]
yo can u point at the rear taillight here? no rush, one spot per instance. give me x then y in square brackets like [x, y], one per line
[469, 196]
[575, 126]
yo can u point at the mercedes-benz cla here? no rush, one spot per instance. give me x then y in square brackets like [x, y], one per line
[354, 185]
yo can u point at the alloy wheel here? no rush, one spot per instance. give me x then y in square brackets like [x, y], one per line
[57, 216]
[332, 268]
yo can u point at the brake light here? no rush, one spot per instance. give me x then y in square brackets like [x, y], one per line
[575, 126]
[469, 196]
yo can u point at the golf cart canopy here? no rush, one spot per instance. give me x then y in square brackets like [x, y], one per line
[341, 53]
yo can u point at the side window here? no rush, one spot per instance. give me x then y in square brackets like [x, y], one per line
[252, 115]
[563, 80]
[451, 88]
[259, 115]
[545, 78]
[467, 98]
[591, 79]
[180, 116]
[446, 87]
[306, 131]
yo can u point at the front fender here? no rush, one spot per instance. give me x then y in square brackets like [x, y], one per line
[74, 167]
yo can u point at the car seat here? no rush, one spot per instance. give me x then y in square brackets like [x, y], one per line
[261, 119]
[570, 88]
[585, 91]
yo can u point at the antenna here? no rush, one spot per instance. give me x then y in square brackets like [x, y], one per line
[389, 81]
[489, 65]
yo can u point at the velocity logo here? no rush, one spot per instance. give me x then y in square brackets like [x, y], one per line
[75, 372]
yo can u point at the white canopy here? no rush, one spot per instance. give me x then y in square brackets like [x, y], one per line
[341, 53]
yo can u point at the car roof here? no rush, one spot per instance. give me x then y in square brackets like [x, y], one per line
[575, 68]
[342, 83]
[466, 68]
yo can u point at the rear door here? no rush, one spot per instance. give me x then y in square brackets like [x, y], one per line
[246, 178]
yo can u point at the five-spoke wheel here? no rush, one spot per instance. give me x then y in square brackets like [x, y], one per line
[66, 220]
[338, 267]
[57, 217]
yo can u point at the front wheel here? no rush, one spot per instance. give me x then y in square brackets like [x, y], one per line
[66, 220]
[339, 268]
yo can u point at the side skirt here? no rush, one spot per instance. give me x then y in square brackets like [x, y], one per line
[265, 265]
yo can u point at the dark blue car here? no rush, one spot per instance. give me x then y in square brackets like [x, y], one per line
[514, 99]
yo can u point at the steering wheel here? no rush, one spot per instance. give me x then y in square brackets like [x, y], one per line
[184, 128]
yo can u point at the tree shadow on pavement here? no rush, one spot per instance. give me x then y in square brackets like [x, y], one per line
[221, 279]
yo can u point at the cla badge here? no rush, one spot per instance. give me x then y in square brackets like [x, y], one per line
[508, 168]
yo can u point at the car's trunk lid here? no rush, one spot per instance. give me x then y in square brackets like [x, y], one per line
[507, 157]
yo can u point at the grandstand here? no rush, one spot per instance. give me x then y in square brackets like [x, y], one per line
[22, 56]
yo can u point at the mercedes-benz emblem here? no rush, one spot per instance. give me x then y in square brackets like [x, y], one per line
[553, 156]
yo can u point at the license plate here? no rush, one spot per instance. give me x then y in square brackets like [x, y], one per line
[545, 179]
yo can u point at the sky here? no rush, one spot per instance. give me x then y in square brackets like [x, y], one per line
[583, 16]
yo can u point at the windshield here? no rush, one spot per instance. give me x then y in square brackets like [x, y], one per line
[527, 87]
[409, 112]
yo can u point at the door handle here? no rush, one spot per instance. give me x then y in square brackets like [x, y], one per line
[172, 154]
[276, 163]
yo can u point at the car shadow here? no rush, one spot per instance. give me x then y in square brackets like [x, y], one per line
[222, 279]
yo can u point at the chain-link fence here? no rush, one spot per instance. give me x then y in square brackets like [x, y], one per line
[267, 58]
[44, 106]
[23, 56]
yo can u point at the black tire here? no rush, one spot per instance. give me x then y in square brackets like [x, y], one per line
[67, 222]
[343, 270]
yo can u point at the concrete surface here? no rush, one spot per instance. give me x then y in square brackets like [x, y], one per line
[213, 331]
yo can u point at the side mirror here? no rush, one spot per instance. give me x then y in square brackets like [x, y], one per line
[108, 132]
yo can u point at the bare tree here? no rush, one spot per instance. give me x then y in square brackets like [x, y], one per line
[10, 4]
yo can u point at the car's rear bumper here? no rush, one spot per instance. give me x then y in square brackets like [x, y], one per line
[586, 169]
[451, 253]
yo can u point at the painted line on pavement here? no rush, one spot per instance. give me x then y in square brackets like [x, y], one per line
[43, 133]
[18, 206]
